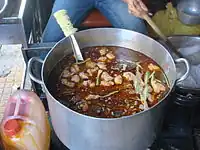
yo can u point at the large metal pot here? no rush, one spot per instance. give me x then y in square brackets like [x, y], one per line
[80, 132]
[3, 5]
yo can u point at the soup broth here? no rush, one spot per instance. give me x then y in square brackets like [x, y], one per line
[112, 82]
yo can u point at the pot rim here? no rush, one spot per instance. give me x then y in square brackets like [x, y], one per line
[4, 6]
[107, 119]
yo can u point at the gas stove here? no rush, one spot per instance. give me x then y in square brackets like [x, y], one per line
[180, 130]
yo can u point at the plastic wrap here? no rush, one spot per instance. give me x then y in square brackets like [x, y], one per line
[168, 22]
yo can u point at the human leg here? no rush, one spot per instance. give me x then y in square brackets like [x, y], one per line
[116, 12]
[77, 10]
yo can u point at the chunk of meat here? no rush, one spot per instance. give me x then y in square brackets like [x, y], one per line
[75, 78]
[102, 65]
[103, 51]
[131, 91]
[129, 76]
[90, 64]
[74, 69]
[83, 75]
[89, 72]
[102, 59]
[110, 56]
[118, 79]
[107, 83]
[94, 69]
[83, 105]
[157, 86]
[106, 77]
[66, 73]
[153, 67]
[150, 98]
[68, 83]
[86, 83]
[136, 103]
[128, 86]
[89, 83]
[91, 96]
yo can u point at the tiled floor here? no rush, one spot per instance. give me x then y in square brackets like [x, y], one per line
[10, 83]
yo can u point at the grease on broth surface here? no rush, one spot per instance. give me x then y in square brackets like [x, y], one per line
[112, 82]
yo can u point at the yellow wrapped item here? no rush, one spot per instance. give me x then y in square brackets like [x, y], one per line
[168, 22]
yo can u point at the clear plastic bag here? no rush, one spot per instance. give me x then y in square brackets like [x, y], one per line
[168, 22]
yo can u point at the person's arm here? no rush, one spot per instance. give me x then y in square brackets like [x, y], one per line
[136, 7]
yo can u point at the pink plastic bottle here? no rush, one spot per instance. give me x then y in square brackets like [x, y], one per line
[25, 123]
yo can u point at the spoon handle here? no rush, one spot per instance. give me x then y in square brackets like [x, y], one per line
[64, 22]
[67, 27]
[155, 27]
[162, 36]
[75, 46]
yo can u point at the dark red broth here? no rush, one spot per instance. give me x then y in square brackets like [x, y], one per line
[112, 82]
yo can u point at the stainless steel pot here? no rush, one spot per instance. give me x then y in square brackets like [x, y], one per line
[3, 5]
[189, 12]
[80, 132]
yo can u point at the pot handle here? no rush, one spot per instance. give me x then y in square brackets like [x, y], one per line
[185, 75]
[30, 63]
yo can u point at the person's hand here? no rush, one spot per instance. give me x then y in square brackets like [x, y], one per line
[136, 7]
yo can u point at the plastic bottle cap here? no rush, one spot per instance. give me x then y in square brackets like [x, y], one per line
[12, 127]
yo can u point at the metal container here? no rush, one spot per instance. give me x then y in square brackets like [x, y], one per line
[189, 12]
[81, 132]
[3, 5]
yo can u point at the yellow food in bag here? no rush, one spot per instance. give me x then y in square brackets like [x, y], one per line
[168, 22]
